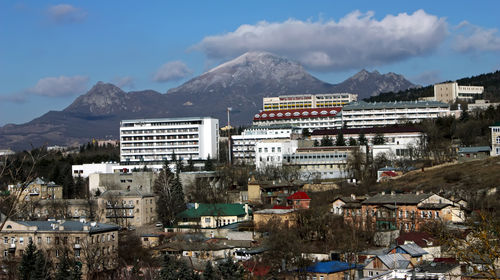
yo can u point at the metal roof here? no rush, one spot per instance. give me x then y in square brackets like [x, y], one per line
[412, 249]
[219, 209]
[406, 198]
[332, 267]
[69, 226]
[474, 149]
[394, 261]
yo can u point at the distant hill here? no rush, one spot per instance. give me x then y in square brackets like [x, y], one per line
[490, 81]
[240, 83]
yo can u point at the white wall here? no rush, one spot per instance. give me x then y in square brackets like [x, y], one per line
[85, 170]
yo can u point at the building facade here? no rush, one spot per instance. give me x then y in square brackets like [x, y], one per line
[364, 114]
[495, 139]
[270, 152]
[94, 245]
[450, 92]
[316, 118]
[151, 141]
[84, 170]
[135, 180]
[304, 101]
[243, 147]
[37, 190]
[127, 208]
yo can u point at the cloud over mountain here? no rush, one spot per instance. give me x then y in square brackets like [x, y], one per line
[60, 86]
[356, 40]
[172, 71]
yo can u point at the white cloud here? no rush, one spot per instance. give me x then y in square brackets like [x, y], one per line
[357, 40]
[428, 77]
[475, 38]
[172, 71]
[60, 86]
[65, 13]
[123, 82]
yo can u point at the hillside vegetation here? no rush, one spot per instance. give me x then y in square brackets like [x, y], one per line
[490, 81]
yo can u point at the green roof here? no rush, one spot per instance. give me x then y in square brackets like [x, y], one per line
[496, 124]
[219, 209]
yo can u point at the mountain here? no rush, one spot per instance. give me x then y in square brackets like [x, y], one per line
[368, 84]
[240, 83]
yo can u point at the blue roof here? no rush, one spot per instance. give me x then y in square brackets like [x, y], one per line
[474, 149]
[331, 267]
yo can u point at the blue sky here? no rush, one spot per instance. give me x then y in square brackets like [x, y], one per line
[51, 51]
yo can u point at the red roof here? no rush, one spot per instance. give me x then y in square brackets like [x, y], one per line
[389, 173]
[257, 269]
[298, 196]
[297, 113]
[420, 238]
[281, 207]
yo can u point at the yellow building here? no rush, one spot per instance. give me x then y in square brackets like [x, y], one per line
[94, 245]
[127, 208]
[450, 92]
[37, 190]
[284, 217]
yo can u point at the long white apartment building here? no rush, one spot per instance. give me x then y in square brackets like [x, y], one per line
[319, 118]
[308, 101]
[270, 152]
[364, 114]
[151, 141]
[450, 92]
[243, 147]
[399, 142]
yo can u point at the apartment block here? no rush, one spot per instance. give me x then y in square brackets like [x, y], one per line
[450, 92]
[308, 101]
[39, 189]
[495, 139]
[151, 141]
[364, 114]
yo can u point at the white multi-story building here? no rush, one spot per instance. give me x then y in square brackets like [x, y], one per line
[84, 170]
[450, 92]
[308, 101]
[319, 118]
[495, 139]
[363, 114]
[270, 152]
[243, 147]
[399, 142]
[151, 141]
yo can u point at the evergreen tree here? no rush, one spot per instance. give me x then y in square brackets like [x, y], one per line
[209, 165]
[27, 265]
[352, 142]
[362, 140]
[305, 133]
[67, 268]
[170, 196]
[326, 141]
[190, 166]
[42, 267]
[209, 272]
[316, 143]
[175, 270]
[229, 270]
[378, 139]
[340, 140]
[80, 187]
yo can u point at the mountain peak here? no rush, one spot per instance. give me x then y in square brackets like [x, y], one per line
[99, 99]
[375, 83]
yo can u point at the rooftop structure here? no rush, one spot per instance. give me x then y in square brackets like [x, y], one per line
[315, 118]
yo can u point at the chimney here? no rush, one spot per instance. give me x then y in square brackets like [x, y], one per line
[246, 208]
[393, 193]
[353, 196]
[196, 205]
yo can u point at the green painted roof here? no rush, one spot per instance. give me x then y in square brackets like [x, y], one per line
[219, 209]
[496, 124]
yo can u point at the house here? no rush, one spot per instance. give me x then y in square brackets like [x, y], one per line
[472, 153]
[213, 215]
[339, 203]
[283, 217]
[383, 263]
[332, 270]
[424, 240]
[429, 270]
[149, 240]
[415, 252]
[53, 237]
[127, 207]
[271, 192]
[407, 212]
[37, 190]
[299, 200]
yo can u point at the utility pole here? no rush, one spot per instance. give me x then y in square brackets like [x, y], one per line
[228, 136]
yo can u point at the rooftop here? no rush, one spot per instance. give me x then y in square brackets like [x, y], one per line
[219, 209]
[368, 130]
[297, 114]
[299, 196]
[477, 149]
[331, 267]
[394, 261]
[406, 198]
[69, 226]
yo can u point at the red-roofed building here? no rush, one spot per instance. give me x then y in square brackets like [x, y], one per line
[281, 207]
[299, 200]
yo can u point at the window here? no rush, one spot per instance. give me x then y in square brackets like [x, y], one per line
[498, 139]
[57, 253]
[5, 253]
[207, 220]
[437, 214]
[77, 253]
[21, 240]
[77, 240]
[48, 240]
[6, 240]
[39, 240]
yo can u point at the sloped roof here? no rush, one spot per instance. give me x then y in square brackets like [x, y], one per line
[394, 261]
[420, 238]
[219, 209]
[389, 174]
[413, 249]
[281, 207]
[436, 267]
[433, 206]
[299, 196]
[477, 149]
[331, 267]
[406, 198]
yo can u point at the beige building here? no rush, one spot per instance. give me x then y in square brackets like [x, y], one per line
[66, 209]
[37, 190]
[495, 139]
[284, 217]
[136, 180]
[94, 245]
[450, 92]
[127, 208]
[285, 102]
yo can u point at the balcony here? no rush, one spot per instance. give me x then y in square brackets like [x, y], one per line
[120, 206]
